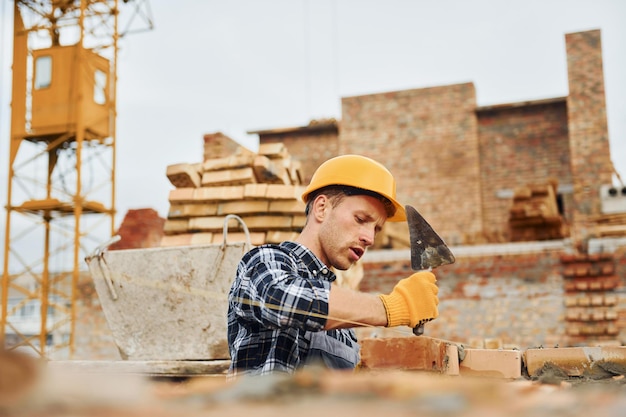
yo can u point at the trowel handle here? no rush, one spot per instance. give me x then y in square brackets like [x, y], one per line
[419, 329]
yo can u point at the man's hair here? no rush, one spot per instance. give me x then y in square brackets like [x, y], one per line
[336, 193]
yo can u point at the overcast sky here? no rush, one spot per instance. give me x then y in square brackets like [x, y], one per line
[235, 66]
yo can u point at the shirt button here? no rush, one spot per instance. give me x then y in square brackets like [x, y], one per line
[324, 271]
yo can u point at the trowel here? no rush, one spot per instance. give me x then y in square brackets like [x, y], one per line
[428, 250]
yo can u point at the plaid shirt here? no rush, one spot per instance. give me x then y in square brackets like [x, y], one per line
[277, 309]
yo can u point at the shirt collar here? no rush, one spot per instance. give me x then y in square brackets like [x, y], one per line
[312, 262]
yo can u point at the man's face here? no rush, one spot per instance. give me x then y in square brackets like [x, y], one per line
[349, 228]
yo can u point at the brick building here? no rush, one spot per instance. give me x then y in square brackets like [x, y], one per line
[459, 163]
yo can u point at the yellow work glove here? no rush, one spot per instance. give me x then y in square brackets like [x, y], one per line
[413, 300]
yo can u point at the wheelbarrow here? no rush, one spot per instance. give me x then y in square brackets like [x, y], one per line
[168, 303]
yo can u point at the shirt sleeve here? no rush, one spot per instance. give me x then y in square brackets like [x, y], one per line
[272, 291]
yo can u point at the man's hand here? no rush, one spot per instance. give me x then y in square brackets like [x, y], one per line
[412, 300]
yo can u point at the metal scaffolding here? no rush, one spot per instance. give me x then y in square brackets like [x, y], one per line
[61, 182]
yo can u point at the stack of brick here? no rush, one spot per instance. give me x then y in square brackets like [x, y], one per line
[262, 188]
[590, 298]
[610, 225]
[535, 214]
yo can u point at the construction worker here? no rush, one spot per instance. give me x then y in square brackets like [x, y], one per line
[284, 312]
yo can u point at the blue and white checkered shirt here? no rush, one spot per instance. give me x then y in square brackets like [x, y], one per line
[277, 309]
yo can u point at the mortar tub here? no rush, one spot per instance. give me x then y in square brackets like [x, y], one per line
[168, 303]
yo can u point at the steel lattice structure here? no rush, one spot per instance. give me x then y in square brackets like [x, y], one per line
[61, 182]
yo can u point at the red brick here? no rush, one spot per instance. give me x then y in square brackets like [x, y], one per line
[413, 352]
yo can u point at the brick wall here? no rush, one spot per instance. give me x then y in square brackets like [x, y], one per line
[428, 140]
[520, 145]
[459, 164]
[512, 292]
[588, 135]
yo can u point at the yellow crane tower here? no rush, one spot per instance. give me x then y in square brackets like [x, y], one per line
[61, 180]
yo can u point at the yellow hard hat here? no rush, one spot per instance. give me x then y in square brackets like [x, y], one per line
[360, 172]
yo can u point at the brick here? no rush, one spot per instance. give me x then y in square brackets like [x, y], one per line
[298, 221]
[273, 150]
[176, 240]
[252, 191]
[574, 361]
[493, 343]
[206, 223]
[243, 207]
[495, 363]
[183, 175]
[256, 238]
[294, 170]
[569, 271]
[229, 162]
[277, 236]
[181, 195]
[213, 194]
[270, 171]
[415, 353]
[287, 206]
[175, 226]
[279, 191]
[265, 222]
[452, 360]
[192, 210]
[201, 238]
[236, 176]
[597, 300]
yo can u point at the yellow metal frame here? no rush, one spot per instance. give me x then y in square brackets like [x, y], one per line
[57, 201]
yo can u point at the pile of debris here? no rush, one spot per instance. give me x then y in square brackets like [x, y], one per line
[262, 188]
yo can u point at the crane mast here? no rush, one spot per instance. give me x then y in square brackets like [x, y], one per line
[62, 151]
